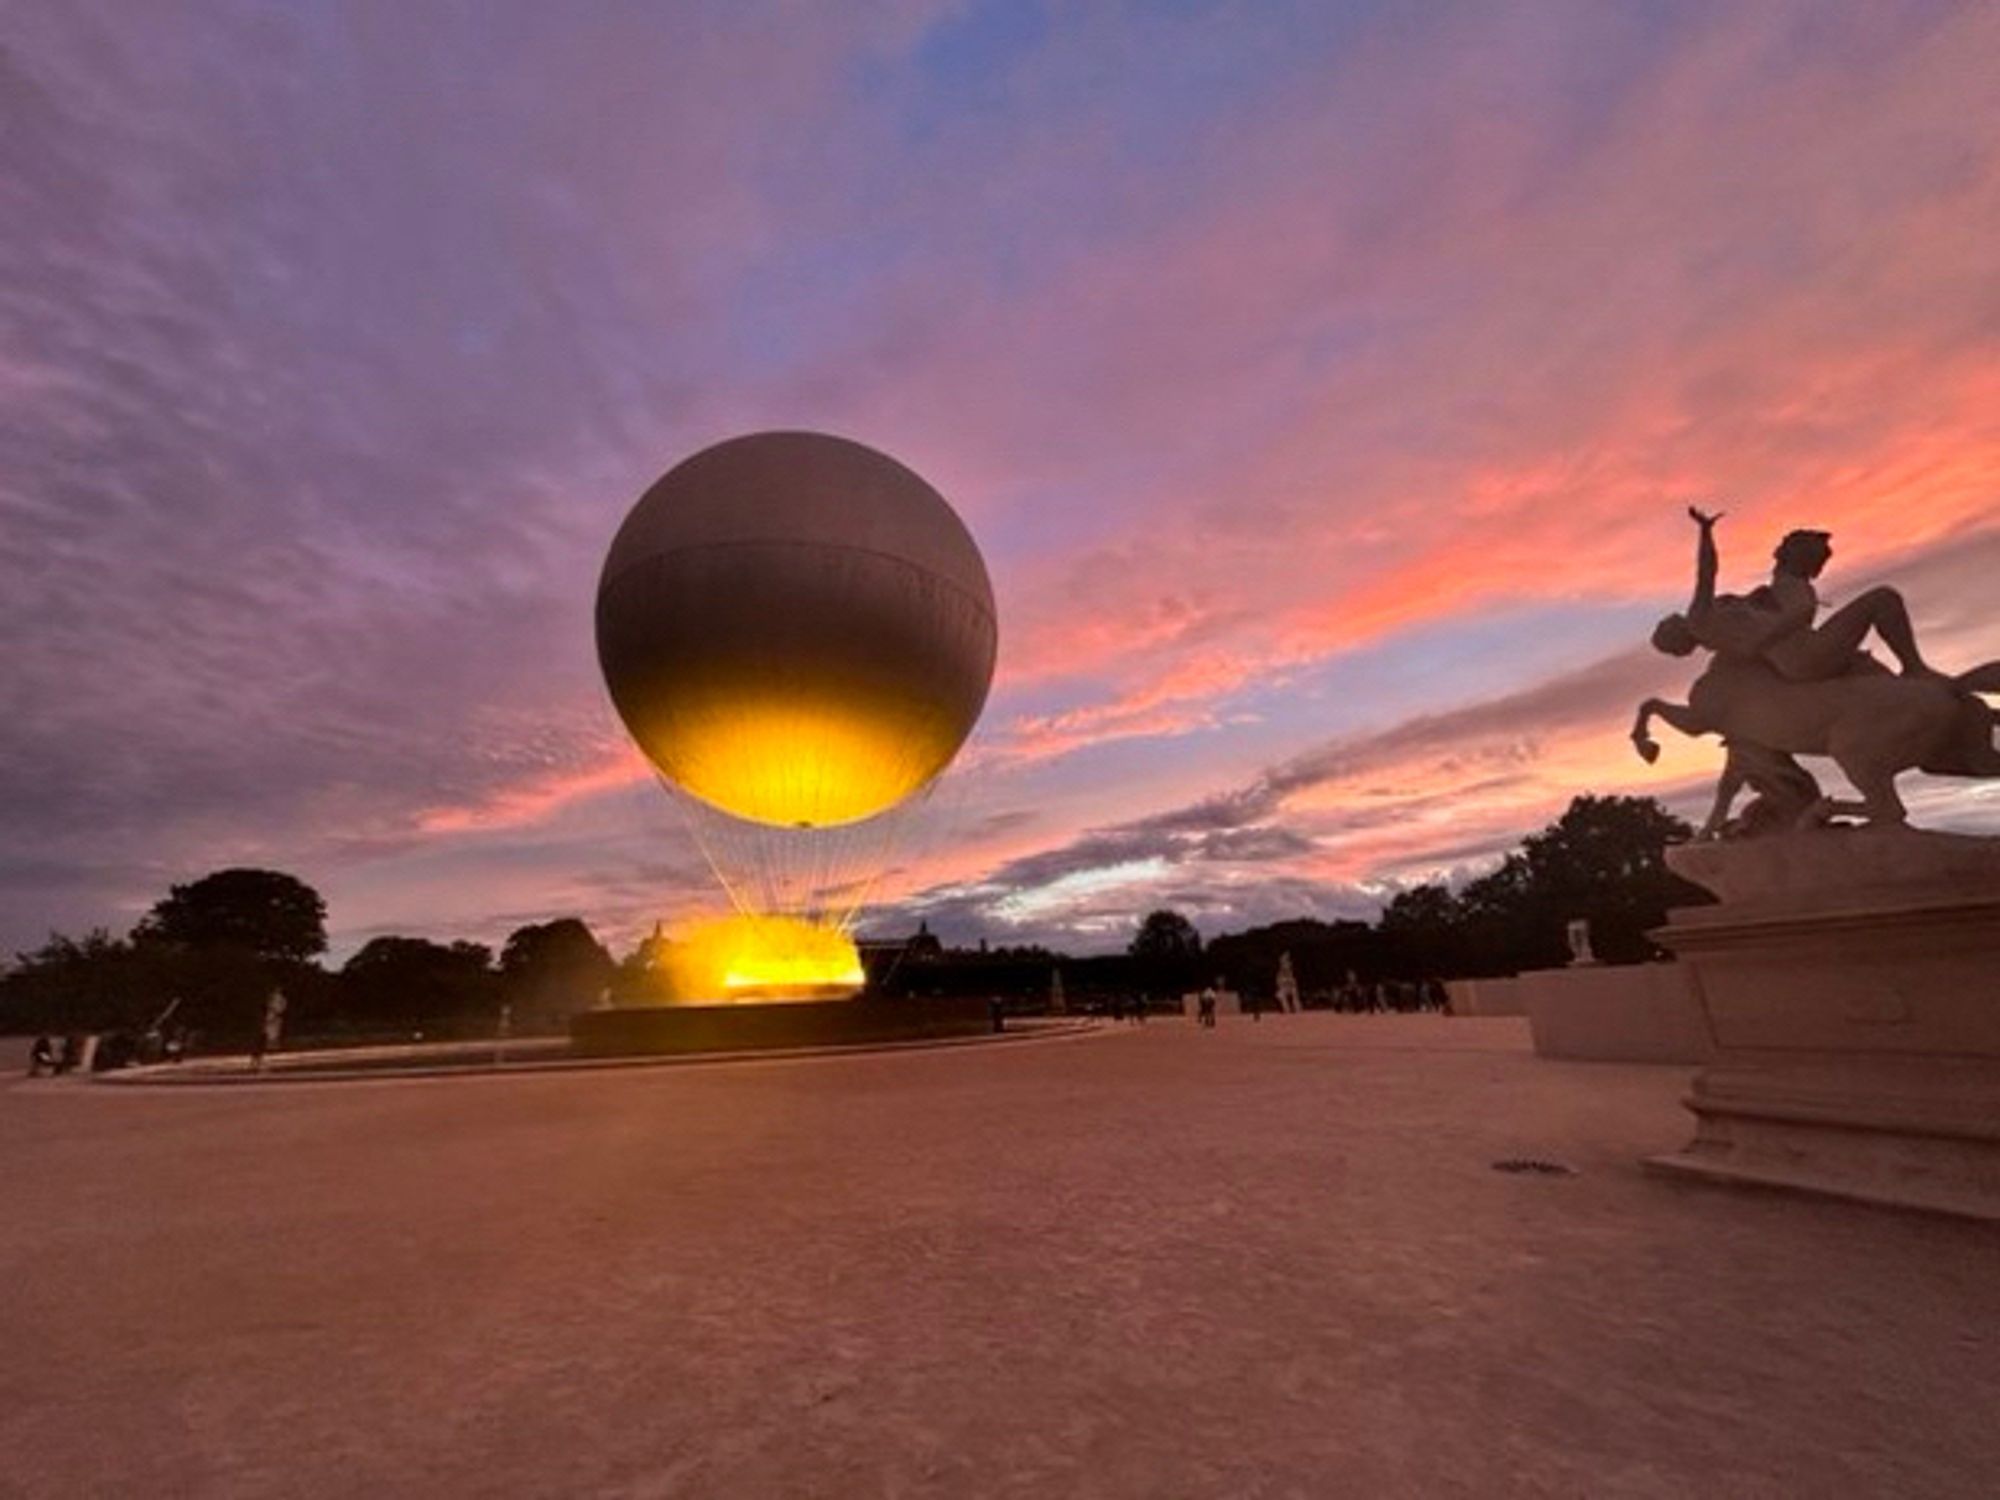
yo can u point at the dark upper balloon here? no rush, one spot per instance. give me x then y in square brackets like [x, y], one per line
[796, 628]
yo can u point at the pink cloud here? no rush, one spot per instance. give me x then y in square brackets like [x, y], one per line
[1549, 361]
[1629, 350]
[537, 796]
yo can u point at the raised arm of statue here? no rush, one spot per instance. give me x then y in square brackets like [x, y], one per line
[1706, 562]
[1729, 624]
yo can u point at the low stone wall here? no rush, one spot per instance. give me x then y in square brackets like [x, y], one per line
[1486, 997]
[654, 1030]
[1615, 1013]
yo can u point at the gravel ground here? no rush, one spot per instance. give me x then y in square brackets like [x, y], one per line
[1271, 1260]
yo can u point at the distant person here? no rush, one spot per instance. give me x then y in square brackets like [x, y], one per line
[996, 1014]
[42, 1057]
[1205, 1007]
[1118, 1007]
[272, 1031]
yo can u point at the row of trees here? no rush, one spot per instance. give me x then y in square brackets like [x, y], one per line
[207, 955]
[217, 947]
[1603, 861]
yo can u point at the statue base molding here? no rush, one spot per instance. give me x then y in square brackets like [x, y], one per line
[1850, 982]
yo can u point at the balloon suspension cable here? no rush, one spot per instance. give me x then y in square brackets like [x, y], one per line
[685, 806]
[824, 876]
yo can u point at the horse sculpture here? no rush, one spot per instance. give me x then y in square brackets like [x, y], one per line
[1871, 723]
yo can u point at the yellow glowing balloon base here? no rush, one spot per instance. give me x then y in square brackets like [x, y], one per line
[764, 960]
[795, 765]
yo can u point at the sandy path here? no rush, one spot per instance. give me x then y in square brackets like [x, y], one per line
[1273, 1260]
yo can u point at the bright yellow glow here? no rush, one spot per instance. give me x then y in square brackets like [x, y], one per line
[795, 763]
[763, 959]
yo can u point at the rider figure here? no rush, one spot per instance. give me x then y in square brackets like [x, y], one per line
[1775, 622]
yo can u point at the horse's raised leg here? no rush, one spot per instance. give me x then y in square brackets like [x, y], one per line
[1679, 715]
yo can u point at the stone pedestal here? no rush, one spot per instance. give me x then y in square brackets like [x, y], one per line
[1850, 980]
[1486, 997]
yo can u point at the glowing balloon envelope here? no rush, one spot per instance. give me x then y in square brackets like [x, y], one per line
[796, 629]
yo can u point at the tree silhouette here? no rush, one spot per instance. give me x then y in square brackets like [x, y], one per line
[1165, 950]
[1603, 860]
[409, 981]
[260, 912]
[93, 983]
[1165, 934]
[222, 943]
[1425, 928]
[551, 970]
[642, 976]
[1323, 953]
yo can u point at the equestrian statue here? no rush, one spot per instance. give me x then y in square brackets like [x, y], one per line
[1780, 685]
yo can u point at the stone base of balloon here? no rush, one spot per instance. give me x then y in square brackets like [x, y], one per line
[664, 1030]
[1850, 981]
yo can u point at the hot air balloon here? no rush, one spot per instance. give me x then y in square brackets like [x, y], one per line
[799, 633]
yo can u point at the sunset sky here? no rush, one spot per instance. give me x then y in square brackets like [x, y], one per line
[1325, 384]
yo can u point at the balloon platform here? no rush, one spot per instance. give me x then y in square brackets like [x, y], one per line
[661, 1030]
